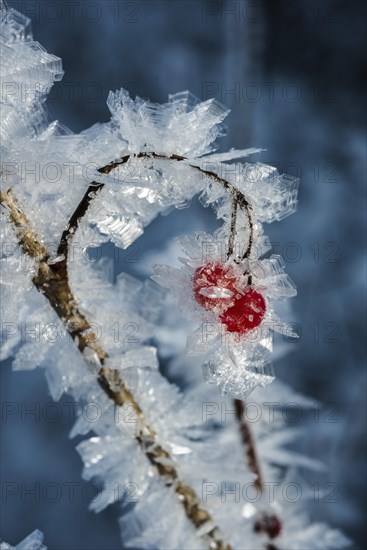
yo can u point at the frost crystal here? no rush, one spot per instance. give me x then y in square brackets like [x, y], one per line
[99, 338]
[34, 541]
[183, 126]
[238, 364]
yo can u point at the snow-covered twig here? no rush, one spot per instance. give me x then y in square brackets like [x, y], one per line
[176, 458]
[52, 282]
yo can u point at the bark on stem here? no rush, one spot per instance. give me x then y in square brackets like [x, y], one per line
[248, 443]
[52, 282]
[268, 523]
[238, 200]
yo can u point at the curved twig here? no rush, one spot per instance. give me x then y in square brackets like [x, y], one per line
[238, 199]
[52, 281]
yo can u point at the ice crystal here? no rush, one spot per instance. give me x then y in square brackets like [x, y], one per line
[34, 541]
[147, 160]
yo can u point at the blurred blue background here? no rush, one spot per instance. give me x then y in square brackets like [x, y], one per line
[292, 74]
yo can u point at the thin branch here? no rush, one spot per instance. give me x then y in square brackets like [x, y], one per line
[52, 282]
[232, 232]
[238, 199]
[265, 523]
[249, 444]
[83, 206]
[242, 203]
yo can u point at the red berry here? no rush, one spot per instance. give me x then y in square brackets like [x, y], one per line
[268, 524]
[246, 313]
[215, 288]
[214, 285]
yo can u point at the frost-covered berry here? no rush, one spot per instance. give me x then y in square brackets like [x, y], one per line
[214, 286]
[217, 287]
[246, 313]
[268, 524]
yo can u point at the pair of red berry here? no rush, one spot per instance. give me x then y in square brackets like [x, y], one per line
[216, 288]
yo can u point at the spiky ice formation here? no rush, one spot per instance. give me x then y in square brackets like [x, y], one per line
[64, 193]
